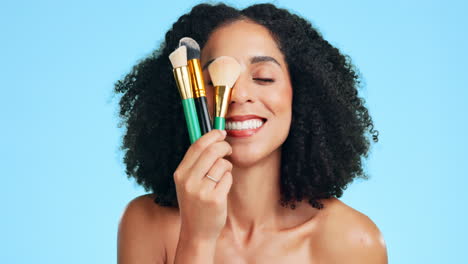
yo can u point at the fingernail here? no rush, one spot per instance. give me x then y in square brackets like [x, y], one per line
[224, 132]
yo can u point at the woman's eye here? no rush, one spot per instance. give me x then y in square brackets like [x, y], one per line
[264, 80]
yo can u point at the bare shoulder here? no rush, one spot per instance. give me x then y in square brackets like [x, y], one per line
[142, 231]
[350, 236]
[144, 208]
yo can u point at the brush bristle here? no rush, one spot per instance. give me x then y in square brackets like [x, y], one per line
[193, 49]
[178, 57]
[224, 70]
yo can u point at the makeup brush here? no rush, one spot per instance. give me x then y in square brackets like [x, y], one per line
[178, 59]
[198, 84]
[224, 72]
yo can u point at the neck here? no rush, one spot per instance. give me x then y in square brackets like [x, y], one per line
[253, 198]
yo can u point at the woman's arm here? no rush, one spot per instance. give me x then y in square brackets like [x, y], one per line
[366, 243]
[353, 238]
[140, 239]
[194, 252]
[365, 246]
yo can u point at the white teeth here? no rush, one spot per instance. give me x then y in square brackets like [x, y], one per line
[243, 125]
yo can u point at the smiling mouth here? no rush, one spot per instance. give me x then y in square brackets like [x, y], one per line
[244, 127]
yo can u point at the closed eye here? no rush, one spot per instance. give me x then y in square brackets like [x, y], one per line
[266, 80]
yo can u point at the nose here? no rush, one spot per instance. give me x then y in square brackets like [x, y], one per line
[241, 91]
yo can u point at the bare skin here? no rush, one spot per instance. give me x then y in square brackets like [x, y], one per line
[148, 233]
[246, 224]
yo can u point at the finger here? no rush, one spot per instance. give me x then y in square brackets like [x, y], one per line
[224, 185]
[219, 168]
[199, 146]
[208, 158]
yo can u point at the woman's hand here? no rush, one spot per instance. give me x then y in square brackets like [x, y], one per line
[202, 201]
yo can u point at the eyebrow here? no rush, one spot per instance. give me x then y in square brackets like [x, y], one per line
[258, 59]
[253, 60]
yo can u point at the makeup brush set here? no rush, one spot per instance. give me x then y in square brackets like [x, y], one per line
[187, 69]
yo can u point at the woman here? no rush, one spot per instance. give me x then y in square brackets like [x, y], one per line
[271, 195]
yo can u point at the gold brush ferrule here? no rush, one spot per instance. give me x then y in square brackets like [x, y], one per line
[182, 77]
[196, 76]
[222, 98]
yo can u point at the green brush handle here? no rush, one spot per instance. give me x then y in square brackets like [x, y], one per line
[192, 120]
[219, 123]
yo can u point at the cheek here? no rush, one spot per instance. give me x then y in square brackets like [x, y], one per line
[281, 101]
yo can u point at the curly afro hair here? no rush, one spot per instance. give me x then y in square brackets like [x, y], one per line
[330, 126]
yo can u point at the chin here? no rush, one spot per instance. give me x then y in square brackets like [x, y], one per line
[249, 156]
[242, 161]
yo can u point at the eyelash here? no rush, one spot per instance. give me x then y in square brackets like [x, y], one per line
[265, 80]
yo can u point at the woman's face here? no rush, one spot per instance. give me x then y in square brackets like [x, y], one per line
[261, 94]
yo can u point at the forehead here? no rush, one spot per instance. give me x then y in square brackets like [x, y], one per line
[242, 40]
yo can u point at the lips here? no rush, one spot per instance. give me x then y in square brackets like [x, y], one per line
[244, 126]
[243, 118]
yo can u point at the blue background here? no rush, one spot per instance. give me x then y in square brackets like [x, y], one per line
[63, 187]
